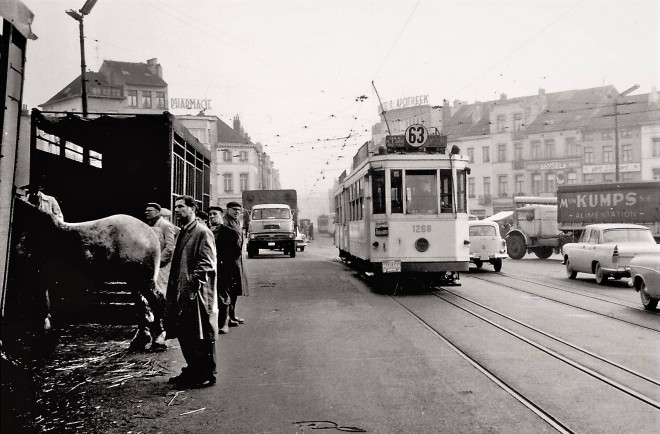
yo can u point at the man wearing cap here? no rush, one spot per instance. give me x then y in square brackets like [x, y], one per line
[165, 231]
[226, 244]
[238, 284]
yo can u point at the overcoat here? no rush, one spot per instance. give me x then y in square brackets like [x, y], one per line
[165, 231]
[238, 283]
[192, 303]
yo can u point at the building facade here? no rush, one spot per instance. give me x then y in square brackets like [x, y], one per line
[118, 87]
[527, 146]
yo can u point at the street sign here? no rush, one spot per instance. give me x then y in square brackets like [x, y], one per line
[416, 135]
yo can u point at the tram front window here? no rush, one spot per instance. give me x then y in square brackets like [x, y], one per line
[421, 192]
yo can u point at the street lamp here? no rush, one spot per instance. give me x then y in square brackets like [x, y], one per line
[616, 129]
[78, 16]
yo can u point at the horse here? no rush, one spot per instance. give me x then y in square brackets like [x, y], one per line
[69, 259]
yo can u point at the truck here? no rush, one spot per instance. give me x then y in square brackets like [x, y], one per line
[272, 220]
[543, 229]
[619, 202]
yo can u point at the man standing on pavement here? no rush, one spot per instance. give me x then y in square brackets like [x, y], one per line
[238, 284]
[192, 301]
[226, 243]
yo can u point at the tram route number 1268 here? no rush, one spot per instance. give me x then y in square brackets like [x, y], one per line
[421, 228]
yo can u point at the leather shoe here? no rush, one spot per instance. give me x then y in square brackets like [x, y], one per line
[224, 329]
[239, 320]
[233, 323]
[183, 377]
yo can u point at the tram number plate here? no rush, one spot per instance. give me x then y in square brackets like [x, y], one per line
[392, 267]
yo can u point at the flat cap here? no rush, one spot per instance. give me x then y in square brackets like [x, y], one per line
[152, 205]
[234, 205]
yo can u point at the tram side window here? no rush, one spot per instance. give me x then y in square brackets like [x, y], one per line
[445, 191]
[421, 192]
[396, 182]
[378, 192]
[461, 194]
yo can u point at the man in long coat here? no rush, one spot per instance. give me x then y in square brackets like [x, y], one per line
[226, 243]
[192, 303]
[238, 284]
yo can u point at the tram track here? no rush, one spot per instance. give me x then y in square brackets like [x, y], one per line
[576, 290]
[556, 300]
[516, 391]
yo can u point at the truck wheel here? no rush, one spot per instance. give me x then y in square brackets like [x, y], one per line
[302, 249]
[478, 263]
[252, 252]
[570, 273]
[650, 303]
[601, 277]
[543, 252]
[292, 250]
[516, 247]
[497, 264]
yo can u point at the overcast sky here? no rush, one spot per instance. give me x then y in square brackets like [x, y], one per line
[293, 71]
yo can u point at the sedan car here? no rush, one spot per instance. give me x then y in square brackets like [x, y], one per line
[301, 240]
[645, 278]
[607, 249]
[486, 244]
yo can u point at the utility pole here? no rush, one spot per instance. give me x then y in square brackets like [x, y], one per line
[616, 128]
[78, 16]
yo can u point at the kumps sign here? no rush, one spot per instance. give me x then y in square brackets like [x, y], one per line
[190, 104]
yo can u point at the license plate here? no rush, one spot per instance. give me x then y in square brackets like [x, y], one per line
[392, 267]
[271, 244]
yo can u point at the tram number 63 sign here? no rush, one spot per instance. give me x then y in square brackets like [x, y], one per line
[416, 135]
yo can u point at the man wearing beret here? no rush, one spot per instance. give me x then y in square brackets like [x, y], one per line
[238, 284]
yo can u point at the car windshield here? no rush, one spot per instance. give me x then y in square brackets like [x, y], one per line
[482, 231]
[627, 235]
[271, 213]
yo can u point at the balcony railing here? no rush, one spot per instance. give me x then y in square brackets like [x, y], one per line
[485, 199]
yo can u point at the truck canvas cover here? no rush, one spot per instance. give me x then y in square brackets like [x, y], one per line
[630, 202]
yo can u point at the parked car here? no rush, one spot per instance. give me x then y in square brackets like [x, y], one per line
[645, 278]
[486, 244]
[301, 240]
[607, 249]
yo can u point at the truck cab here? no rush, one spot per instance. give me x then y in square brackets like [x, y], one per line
[271, 226]
[534, 230]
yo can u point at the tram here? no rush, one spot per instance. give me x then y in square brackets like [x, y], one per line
[401, 213]
[323, 224]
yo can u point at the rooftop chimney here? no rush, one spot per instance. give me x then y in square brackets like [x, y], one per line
[154, 68]
[541, 91]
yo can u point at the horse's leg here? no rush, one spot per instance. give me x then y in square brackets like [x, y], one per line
[145, 317]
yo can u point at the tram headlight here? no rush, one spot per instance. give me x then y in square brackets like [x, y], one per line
[422, 245]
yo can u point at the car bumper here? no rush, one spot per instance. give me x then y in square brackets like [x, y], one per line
[486, 257]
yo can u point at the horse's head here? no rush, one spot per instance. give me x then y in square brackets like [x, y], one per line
[43, 208]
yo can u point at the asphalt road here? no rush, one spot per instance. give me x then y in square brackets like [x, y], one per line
[521, 351]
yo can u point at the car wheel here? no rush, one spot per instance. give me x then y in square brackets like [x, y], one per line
[478, 263]
[572, 274]
[650, 303]
[516, 247]
[497, 264]
[302, 249]
[601, 277]
[543, 252]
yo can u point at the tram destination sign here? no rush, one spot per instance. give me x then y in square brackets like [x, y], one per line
[434, 141]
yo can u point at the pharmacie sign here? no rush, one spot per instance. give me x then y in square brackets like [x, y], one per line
[190, 104]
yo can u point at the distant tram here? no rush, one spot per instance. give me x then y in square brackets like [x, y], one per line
[401, 213]
[324, 224]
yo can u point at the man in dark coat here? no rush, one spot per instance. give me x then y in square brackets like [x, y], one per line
[238, 284]
[192, 301]
[226, 244]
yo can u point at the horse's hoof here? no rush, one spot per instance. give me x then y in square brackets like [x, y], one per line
[158, 347]
[160, 340]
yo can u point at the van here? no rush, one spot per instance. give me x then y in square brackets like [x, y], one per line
[486, 244]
